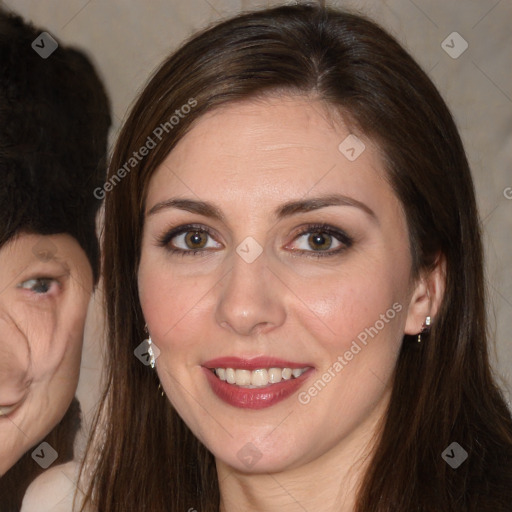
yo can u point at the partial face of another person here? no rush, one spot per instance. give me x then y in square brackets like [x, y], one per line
[276, 281]
[45, 287]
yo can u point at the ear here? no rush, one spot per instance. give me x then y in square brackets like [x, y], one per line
[426, 297]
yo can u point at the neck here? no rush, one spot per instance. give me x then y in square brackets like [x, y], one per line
[290, 492]
[326, 484]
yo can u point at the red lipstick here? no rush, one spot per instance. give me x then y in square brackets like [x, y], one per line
[253, 398]
[252, 364]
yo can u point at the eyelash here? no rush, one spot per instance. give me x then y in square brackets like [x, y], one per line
[339, 235]
[166, 239]
[345, 240]
[38, 280]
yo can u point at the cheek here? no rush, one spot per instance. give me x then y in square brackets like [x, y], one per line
[15, 359]
[356, 331]
[173, 304]
[37, 324]
[54, 333]
[70, 333]
[345, 304]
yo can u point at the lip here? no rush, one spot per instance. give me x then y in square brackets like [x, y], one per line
[254, 398]
[254, 363]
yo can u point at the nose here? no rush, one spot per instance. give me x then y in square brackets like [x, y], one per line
[251, 298]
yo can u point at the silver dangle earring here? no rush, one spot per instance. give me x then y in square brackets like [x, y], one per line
[425, 328]
[152, 358]
[151, 353]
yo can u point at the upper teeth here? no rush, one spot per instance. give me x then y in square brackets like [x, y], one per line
[257, 378]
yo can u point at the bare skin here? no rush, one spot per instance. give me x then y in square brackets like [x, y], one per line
[249, 160]
[45, 287]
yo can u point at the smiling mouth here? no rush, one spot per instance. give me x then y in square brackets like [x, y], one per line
[257, 382]
[259, 378]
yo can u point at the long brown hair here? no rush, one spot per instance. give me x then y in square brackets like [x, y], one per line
[145, 457]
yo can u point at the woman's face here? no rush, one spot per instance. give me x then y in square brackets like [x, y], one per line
[45, 287]
[276, 255]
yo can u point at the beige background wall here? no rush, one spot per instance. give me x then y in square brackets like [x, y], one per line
[127, 39]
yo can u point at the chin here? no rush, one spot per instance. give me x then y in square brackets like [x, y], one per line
[255, 457]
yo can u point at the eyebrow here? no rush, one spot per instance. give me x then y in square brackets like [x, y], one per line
[286, 210]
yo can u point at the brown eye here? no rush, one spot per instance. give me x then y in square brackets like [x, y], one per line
[196, 239]
[189, 240]
[320, 241]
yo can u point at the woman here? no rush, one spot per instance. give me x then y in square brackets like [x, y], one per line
[54, 120]
[291, 217]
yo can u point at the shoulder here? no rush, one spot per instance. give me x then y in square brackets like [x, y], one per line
[53, 490]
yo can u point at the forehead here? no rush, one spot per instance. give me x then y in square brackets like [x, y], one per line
[276, 147]
[61, 252]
